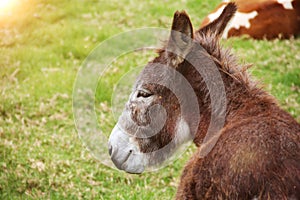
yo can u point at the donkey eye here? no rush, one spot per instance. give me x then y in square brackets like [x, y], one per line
[144, 94]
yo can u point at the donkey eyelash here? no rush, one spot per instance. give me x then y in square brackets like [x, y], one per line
[144, 94]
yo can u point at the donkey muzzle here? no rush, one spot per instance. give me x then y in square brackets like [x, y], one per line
[125, 153]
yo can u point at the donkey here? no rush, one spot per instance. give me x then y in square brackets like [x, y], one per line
[254, 154]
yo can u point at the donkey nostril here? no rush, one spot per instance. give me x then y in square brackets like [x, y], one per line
[130, 151]
[110, 150]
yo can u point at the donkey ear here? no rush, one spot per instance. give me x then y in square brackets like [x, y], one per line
[181, 24]
[218, 26]
[181, 36]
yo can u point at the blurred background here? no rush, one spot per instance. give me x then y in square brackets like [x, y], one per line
[42, 45]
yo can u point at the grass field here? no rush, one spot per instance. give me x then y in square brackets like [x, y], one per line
[42, 45]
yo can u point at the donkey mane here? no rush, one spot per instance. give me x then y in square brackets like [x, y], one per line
[228, 64]
[224, 59]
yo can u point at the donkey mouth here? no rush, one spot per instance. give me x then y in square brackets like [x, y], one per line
[128, 163]
[119, 162]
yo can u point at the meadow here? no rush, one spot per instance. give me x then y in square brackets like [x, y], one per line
[42, 46]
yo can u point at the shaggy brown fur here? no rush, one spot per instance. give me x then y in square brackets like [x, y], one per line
[258, 152]
[257, 155]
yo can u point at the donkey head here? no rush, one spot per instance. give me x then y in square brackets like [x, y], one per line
[158, 118]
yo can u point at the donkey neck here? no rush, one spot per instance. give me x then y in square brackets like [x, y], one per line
[243, 98]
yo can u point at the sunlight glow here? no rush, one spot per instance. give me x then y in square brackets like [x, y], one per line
[6, 5]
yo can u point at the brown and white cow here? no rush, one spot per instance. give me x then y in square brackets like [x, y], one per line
[261, 18]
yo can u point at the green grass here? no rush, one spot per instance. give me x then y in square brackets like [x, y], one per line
[42, 45]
